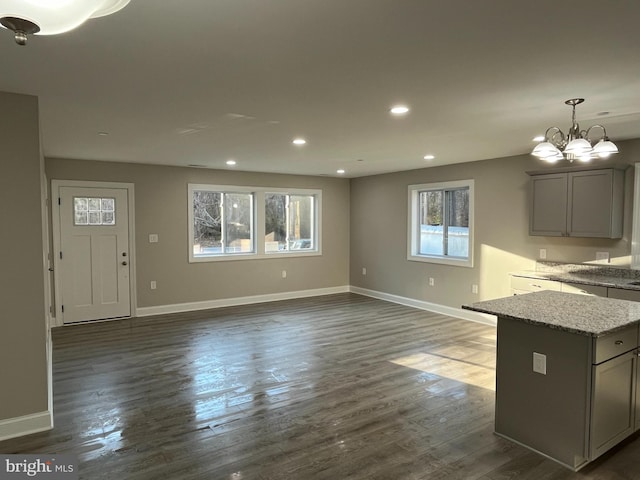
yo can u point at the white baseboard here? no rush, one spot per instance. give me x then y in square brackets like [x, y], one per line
[232, 302]
[26, 425]
[431, 307]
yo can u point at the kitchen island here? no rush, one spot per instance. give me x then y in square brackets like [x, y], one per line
[566, 373]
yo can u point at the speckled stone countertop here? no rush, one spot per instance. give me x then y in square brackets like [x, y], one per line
[582, 314]
[584, 274]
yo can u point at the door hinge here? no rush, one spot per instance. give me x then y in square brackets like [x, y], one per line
[60, 255]
[59, 201]
[62, 308]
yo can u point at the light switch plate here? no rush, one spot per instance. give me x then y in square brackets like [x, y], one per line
[602, 257]
[153, 238]
[539, 363]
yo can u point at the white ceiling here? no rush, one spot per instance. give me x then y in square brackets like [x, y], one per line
[197, 82]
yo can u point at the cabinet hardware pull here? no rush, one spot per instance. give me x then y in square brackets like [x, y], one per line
[619, 342]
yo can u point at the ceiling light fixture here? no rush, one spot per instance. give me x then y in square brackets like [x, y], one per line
[340, 171]
[299, 141]
[429, 157]
[399, 109]
[231, 162]
[47, 17]
[576, 144]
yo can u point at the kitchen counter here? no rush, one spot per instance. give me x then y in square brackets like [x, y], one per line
[584, 274]
[582, 314]
[566, 373]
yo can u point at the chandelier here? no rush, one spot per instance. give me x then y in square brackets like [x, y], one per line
[576, 145]
[50, 17]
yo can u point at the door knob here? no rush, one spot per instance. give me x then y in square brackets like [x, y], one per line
[124, 263]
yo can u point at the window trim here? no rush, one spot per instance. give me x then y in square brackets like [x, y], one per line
[258, 222]
[413, 222]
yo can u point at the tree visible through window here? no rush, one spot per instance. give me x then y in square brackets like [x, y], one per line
[242, 222]
[222, 222]
[441, 221]
[289, 222]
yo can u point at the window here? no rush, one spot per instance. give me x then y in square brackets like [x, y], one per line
[441, 223]
[289, 222]
[92, 211]
[228, 222]
[222, 223]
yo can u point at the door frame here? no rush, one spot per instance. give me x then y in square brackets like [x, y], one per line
[55, 221]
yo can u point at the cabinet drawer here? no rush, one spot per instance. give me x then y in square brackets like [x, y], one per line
[584, 289]
[615, 343]
[534, 284]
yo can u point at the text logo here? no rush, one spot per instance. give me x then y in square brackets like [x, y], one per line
[50, 467]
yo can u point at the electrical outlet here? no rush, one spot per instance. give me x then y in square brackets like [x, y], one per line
[602, 257]
[153, 238]
[543, 254]
[432, 281]
[364, 270]
[284, 274]
[540, 363]
[474, 289]
[153, 285]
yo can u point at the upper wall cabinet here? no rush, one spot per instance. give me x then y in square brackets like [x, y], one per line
[579, 203]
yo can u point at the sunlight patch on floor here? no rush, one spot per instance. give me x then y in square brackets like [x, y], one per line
[452, 368]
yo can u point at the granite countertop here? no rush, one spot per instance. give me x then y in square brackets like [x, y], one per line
[582, 279]
[583, 314]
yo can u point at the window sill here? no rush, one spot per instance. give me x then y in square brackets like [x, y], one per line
[253, 256]
[456, 262]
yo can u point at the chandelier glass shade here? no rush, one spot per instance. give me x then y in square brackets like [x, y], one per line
[576, 144]
[51, 17]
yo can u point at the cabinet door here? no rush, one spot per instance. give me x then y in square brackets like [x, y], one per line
[623, 294]
[548, 205]
[637, 393]
[613, 403]
[591, 210]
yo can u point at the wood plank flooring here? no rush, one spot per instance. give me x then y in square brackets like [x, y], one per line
[334, 387]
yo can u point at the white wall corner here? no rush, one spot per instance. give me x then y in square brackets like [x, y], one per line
[26, 425]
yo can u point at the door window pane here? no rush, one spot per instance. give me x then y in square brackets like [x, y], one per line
[94, 211]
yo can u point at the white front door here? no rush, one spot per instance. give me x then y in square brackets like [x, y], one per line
[93, 258]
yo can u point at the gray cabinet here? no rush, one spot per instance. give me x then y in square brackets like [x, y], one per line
[580, 203]
[637, 394]
[584, 403]
[622, 294]
[613, 403]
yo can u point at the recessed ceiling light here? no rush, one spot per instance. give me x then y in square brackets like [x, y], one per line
[299, 141]
[340, 171]
[103, 134]
[429, 157]
[399, 110]
[231, 162]
[539, 138]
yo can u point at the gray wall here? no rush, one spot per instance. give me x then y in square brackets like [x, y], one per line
[23, 371]
[161, 207]
[502, 243]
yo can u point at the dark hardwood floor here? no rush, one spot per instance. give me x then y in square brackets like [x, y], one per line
[342, 386]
